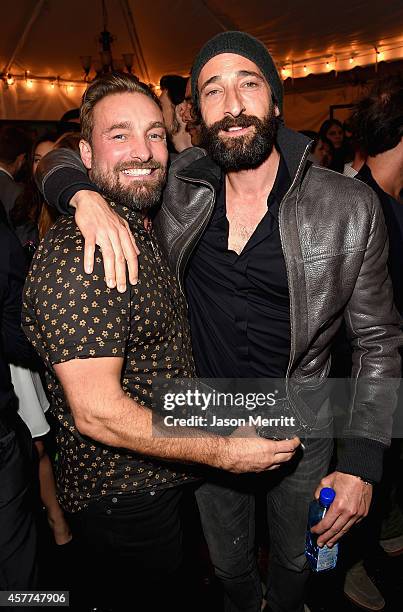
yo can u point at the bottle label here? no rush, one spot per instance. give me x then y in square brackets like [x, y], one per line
[326, 558]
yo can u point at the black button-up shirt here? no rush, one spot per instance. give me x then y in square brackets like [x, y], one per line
[71, 315]
[239, 304]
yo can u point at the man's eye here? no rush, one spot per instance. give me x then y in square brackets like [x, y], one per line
[212, 92]
[250, 84]
[121, 137]
[156, 136]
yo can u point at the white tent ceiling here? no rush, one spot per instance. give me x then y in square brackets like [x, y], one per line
[172, 31]
[47, 38]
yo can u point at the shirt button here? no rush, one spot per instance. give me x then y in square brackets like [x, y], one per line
[114, 500]
[109, 511]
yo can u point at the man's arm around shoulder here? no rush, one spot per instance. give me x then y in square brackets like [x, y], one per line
[63, 179]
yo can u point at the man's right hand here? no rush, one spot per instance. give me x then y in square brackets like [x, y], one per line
[101, 226]
[256, 454]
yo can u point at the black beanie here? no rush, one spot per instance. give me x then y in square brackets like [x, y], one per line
[243, 44]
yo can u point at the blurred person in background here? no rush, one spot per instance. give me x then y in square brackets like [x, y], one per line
[323, 152]
[69, 140]
[18, 569]
[172, 95]
[69, 122]
[322, 149]
[30, 216]
[14, 148]
[358, 154]
[189, 116]
[377, 125]
[333, 130]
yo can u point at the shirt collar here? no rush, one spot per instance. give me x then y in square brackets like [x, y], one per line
[281, 186]
[134, 217]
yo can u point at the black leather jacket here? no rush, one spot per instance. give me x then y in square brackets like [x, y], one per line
[335, 248]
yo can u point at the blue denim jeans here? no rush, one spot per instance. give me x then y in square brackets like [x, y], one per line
[227, 510]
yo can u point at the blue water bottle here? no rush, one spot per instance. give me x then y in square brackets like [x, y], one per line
[320, 558]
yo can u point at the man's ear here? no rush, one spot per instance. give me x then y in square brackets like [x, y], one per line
[86, 153]
[178, 114]
[276, 111]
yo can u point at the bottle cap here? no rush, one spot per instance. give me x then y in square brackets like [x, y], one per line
[326, 496]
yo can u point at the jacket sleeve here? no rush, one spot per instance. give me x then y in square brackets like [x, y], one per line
[373, 326]
[59, 176]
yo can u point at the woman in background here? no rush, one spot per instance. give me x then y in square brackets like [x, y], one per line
[31, 217]
[333, 130]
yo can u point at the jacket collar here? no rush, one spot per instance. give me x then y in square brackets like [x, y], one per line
[292, 146]
[7, 172]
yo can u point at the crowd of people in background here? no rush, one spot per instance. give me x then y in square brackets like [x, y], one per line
[42, 426]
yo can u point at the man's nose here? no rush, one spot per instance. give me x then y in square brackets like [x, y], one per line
[233, 104]
[141, 150]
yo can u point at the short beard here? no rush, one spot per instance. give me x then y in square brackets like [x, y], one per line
[243, 152]
[140, 195]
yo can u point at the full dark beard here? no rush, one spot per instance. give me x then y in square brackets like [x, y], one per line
[140, 195]
[240, 152]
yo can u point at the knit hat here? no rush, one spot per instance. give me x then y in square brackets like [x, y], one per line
[243, 44]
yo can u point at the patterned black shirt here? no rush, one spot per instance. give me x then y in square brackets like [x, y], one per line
[68, 314]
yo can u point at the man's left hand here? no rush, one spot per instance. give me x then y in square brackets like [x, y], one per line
[351, 505]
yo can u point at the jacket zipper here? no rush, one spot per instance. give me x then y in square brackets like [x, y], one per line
[198, 231]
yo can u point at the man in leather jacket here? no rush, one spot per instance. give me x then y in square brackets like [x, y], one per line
[272, 254]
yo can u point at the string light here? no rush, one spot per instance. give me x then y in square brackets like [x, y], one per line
[316, 65]
[30, 81]
[285, 72]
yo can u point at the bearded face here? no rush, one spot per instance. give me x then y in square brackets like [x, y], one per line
[127, 156]
[233, 153]
[136, 194]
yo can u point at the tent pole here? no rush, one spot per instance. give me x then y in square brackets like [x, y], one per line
[133, 32]
[21, 42]
[223, 21]
[132, 40]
